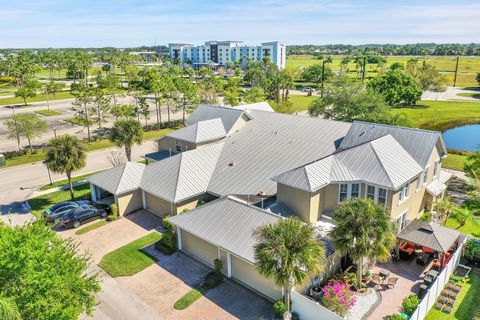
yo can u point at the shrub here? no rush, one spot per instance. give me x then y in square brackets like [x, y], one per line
[167, 224]
[218, 265]
[427, 216]
[395, 316]
[114, 214]
[410, 303]
[338, 298]
[212, 280]
[472, 251]
[17, 153]
[163, 125]
[167, 244]
[455, 278]
[279, 308]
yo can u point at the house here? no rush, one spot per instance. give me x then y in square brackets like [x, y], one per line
[254, 166]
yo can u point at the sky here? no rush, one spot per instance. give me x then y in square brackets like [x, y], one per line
[130, 23]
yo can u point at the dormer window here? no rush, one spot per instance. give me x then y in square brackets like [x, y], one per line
[435, 168]
[404, 193]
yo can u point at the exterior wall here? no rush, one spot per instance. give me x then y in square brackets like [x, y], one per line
[168, 143]
[246, 273]
[129, 202]
[243, 119]
[199, 248]
[187, 205]
[156, 205]
[329, 197]
[297, 200]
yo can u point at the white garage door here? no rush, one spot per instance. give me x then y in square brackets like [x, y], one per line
[199, 248]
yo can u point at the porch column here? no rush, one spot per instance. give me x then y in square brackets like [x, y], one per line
[179, 238]
[93, 192]
[144, 200]
[229, 265]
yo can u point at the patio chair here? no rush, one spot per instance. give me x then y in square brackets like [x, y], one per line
[442, 299]
[391, 282]
[439, 305]
[377, 280]
[458, 287]
[447, 309]
[450, 302]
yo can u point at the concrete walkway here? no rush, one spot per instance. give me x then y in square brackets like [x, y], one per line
[449, 94]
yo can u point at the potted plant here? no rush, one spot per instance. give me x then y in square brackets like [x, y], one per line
[316, 292]
[367, 276]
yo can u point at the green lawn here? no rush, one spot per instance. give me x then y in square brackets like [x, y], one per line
[39, 204]
[48, 112]
[27, 158]
[441, 115]
[91, 227]
[469, 227]
[300, 102]
[63, 182]
[189, 298]
[469, 94]
[130, 259]
[454, 161]
[465, 305]
[37, 98]
[79, 122]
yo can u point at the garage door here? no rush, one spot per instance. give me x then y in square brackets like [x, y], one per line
[129, 202]
[157, 205]
[199, 248]
[246, 273]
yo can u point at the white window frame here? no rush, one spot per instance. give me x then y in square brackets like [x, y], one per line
[378, 196]
[419, 183]
[435, 167]
[349, 190]
[403, 218]
[404, 193]
[376, 193]
[425, 175]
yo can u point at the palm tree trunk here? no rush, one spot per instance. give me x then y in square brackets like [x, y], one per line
[72, 196]
[183, 115]
[128, 152]
[360, 272]
[287, 294]
[48, 102]
[168, 112]
[156, 111]
[30, 144]
[88, 123]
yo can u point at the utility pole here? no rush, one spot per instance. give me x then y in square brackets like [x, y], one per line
[456, 71]
[323, 77]
[364, 68]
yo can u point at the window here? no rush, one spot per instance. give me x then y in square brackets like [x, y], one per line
[404, 192]
[178, 147]
[401, 221]
[425, 175]
[343, 192]
[382, 196]
[435, 168]
[407, 190]
[370, 192]
[419, 183]
[355, 192]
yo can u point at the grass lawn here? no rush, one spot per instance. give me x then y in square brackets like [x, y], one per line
[27, 158]
[91, 227]
[130, 259]
[300, 102]
[469, 94]
[39, 204]
[465, 305]
[37, 98]
[48, 113]
[189, 298]
[63, 182]
[79, 122]
[454, 161]
[441, 115]
[468, 228]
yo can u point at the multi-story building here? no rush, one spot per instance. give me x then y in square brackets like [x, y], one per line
[220, 53]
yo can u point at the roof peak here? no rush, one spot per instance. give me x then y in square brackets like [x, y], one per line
[397, 127]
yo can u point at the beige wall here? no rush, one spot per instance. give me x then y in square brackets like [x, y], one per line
[297, 200]
[166, 143]
[243, 119]
[157, 205]
[186, 205]
[199, 248]
[246, 273]
[129, 202]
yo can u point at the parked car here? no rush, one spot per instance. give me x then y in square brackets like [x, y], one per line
[83, 214]
[104, 206]
[54, 213]
[308, 89]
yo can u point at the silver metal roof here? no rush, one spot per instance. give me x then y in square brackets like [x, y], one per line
[269, 144]
[227, 223]
[445, 176]
[120, 179]
[259, 106]
[429, 234]
[382, 162]
[181, 176]
[201, 131]
[418, 143]
[229, 116]
[436, 187]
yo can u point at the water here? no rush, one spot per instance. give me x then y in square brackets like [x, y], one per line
[463, 138]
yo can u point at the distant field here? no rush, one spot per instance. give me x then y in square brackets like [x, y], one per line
[468, 66]
[39, 97]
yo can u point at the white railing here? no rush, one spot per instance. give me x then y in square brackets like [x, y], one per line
[434, 291]
[308, 309]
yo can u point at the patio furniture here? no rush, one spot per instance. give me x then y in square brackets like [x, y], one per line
[422, 258]
[450, 302]
[447, 309]
[429, 251]
[391, 282]
[406, 250]
[384, 274]
[422, 291]
[377, 280]
[439, 305]
[430, 277]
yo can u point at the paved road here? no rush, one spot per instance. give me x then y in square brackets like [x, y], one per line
[18, 183]
[449, 94]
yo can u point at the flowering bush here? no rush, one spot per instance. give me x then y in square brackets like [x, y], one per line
[338, 298]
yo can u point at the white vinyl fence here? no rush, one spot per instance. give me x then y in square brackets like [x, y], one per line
[434, 291]
[308, 309]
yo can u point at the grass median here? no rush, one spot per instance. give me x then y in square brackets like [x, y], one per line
[91, 227]
[48, 113]
[38, 98]
[189, 298]
[130, 259]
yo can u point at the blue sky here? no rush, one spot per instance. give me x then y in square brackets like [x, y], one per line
[126, 23]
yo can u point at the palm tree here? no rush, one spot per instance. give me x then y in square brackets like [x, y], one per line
[125, 133]
[363, 230]
[8, 309]
[463, 215]
[65, 154]
[444, 208]
[288, 252]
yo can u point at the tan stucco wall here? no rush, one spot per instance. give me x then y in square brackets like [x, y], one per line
[186, 205]
[246, 273]
[329, 197]
[129, 202]
[199, 248]
[157, 205]
[166, 143]
[240, 123]
[297, 200]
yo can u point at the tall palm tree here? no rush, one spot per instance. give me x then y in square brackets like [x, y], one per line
[288, 252]
[363, 230]
[8, 309]
[126, 133]
[464, 215]
[65, 154]
[444, 208]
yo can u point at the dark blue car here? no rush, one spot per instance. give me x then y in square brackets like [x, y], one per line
[54, 213]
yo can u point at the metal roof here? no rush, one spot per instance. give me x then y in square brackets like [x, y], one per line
[445, 176]
[260, 106]
[418, 143]
[269, 144]
[229, 116]
[429, 234]
[227, 223]
[382, 161]
[120, 179]
[436, 187]
[181, 176]
[201, 131]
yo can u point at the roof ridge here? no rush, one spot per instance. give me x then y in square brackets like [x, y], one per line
[380, 161]
[178, 177]
[399, 127]
[233, 198]
[121, 176]
[223, 107]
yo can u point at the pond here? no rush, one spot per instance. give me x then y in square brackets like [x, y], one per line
[463, 138]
